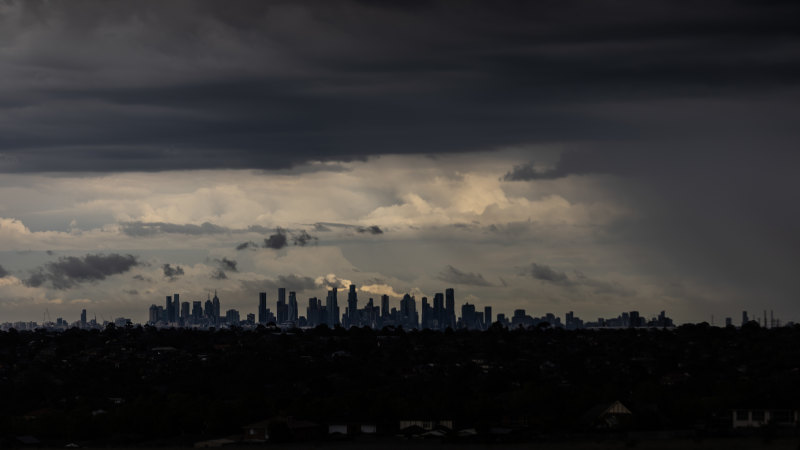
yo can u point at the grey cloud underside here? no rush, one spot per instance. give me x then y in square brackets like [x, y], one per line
[70, 271]
[171, 272]
[227, 264]
[547, 274]
[186, 85]
[224, 265]
[297, 283]
[140, 229]
[219, 274]
[3, 272]
[452, 275]
[330, 226]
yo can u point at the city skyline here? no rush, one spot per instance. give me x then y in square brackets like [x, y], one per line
[439, 313]
[562, 156]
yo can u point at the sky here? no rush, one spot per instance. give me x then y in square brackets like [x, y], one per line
[587, 156]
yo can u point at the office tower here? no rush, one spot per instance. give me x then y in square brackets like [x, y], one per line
[728, 322]
[744, 317]
[176, 306]
[282, 309]
[352, 307]
[262, 307]
[426, 314]
[468, 315]
[170, 310]
[634, 319]
[487, 316]
[83, 318]
[232, 317]
[185, 311]
[153, 314]
[438, 310]
[384, 306]
[408, 312]
[312, 312]
[208, 309]
[332, 308]
[292, 308]
[450, 307]
[197, 310]
[216, 304]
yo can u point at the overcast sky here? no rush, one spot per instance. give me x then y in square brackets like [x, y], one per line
[595, 156]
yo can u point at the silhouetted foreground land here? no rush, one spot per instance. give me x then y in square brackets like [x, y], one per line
[142, 386]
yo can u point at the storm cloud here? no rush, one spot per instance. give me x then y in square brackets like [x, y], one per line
[280, 83]
[153, 228]
[69, 271]
[276, 241]
[227, 264]
[296, 283]
[452, 275]
[547, 274]
[3, 272]
[172, 272]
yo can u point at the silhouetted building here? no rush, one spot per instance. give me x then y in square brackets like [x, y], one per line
[83, 318]
[384, 306]
[332, 307]
[487, 316]
[468, 316]
[352, 307]
[176, 307]
[292, 308]
[232, 317]
[170, 310]
[262, 307]
[217, 306]
[450, 307]
[197, 310]
[282, 309]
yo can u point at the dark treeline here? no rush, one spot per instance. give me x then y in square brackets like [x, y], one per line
[140, 384]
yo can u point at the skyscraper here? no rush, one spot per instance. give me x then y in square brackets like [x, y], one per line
[384, 306]
[468, 316]
[439, 310]
[217, 309]
[282, 309]
[352, 307]
[170, 310]
[450, 307]
[332, 307]
[176, 307]
[487, 316]
[292, 308]
[262, 307]
[83, 318]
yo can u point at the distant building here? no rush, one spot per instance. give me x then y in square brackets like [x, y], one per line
[292, 308]
[262, 307]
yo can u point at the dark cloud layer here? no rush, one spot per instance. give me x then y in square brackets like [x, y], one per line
[3, 272]
[187, 85]
[227, 264]
[452, 275]
[172, 272]
[547, 274]
[153, 228]
[276, 241]
[69, 271]
[297, 283]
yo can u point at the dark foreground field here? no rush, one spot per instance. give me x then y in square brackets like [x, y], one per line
[545, 388]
